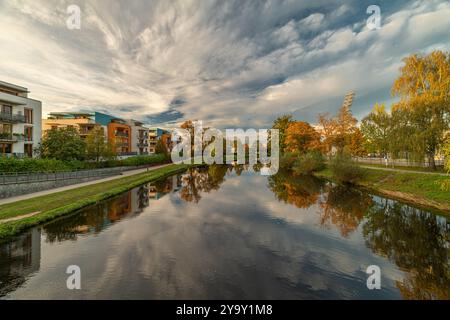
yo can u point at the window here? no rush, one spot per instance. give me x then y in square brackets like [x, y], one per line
[5, 128]
[28, 134]
[5, 148]
[7, 109]
[28, 115]
[28, 148]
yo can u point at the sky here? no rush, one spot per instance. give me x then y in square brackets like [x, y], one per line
[231, 64]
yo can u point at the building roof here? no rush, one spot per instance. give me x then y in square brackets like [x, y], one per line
[13, 86]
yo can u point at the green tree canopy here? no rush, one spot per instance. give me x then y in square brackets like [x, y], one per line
[97, 146]
[63, 144]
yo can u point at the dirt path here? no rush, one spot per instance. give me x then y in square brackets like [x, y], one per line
[19, 217]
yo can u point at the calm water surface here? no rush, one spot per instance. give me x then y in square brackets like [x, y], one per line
[222, 233]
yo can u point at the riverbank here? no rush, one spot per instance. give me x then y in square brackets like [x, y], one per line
[422, 189]
[17, 216]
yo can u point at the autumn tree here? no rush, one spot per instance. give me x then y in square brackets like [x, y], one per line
[338, 131]
[282, 123]
[97, 146]
[356, 144]
[301, 137]
[424, 90]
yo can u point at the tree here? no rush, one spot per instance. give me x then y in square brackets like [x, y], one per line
[161, 148]
[345, 128]
[376, 130]
[282, 123]
[424, 90]
[301, 137]
[63, 144]
[338, 131]
[446, 153]
[97, 147]
[356, 145]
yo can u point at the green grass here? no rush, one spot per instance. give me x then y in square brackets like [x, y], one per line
[426, 189]
[61, 203]
[418, 169]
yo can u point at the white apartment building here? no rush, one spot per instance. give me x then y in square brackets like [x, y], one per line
[20, 121]
[139, 137]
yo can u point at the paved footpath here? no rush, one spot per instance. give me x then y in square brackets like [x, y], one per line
[403, 170]
[74, 186]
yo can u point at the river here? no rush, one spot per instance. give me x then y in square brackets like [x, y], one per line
[229, 233]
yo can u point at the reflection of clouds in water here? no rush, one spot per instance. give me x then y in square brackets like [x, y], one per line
[235, 243]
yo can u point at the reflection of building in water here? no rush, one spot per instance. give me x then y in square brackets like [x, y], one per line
[139, 199]
[18, 260]
[119, 207]
[160, 188]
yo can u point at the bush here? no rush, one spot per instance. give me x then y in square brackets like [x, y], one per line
[287, 160]
[308, 163]
[13, 165]
[345, 170]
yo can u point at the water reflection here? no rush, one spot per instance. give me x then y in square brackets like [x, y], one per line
[301, 192]
[222, 233]
[198, 180]
[344, 207]
[417, 242]
[18, 260]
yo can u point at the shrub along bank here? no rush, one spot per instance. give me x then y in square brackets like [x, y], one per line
[13, 165]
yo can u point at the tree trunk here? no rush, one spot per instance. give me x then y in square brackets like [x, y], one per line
[431, 162]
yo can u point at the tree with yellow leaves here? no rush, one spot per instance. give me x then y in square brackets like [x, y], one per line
[424, 90]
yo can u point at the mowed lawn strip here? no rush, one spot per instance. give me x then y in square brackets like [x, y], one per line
[57, 204]
[423, 186]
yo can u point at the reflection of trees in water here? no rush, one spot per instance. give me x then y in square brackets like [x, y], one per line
[344, 207]
[414, 240]
[301, 192]
[417, 242]
[197, 180]
[92, 219]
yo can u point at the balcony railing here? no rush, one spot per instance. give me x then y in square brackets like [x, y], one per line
[12, 117]
[8, 137]
[121, 134]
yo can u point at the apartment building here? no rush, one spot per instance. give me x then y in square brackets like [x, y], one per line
[139, 137]
[119, 132]
[116, 129]
[84, 122]
[20, 121]
[156, 134]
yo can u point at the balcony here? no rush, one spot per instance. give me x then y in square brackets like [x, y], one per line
[13, 118]
[8, 137]
[121, 134]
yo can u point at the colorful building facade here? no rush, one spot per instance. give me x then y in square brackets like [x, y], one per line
[20, 121]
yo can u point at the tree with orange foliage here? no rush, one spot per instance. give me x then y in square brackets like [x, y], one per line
[356, 144]
[338, 131]
[301, 137]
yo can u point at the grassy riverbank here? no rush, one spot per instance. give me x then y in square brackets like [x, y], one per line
[418, 188]
[45, 208]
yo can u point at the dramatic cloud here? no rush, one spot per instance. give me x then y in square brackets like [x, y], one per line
[229, 63]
